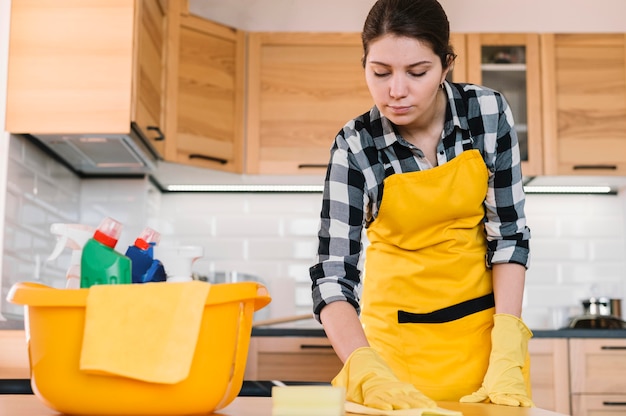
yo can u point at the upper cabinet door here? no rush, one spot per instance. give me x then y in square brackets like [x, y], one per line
[70, 66]
[85, 67]
[510, 64]
[206, 95]
[302, 89]
[584, 97]
[149, 75]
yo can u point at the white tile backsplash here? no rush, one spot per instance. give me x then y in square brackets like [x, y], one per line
[578, 250]
[270, 236]
[578, 245]
[299, 272]
[37, 195]
[303, 227]
[248, 225]
[607, 250]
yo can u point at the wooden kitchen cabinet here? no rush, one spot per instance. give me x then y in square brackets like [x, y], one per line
[86, 67]
[302, 89]
[604, 405]
[205, 78]
[459, 70]
[14, 362]
[291, 358]
[584, 103]
[598, 384]
[298, 358]
[549, 373]
[510, 63]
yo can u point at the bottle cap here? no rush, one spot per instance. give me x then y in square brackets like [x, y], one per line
[147, 238]
[108, 232]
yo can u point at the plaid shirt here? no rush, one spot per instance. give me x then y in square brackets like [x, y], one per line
[368, 149]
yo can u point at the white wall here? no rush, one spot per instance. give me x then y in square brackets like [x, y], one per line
[464, 15]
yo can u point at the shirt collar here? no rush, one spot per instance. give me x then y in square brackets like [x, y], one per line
[456, 117]
[456, 111]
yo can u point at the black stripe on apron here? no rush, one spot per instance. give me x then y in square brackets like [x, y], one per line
[449, 313]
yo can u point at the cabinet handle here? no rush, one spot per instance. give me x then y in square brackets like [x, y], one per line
[315, 347]
[614, 403]
[211, 158]
[160, 136]
[312, 165]
[613, 347]
[591, 167]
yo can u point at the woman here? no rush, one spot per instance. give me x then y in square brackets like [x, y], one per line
[432, 172]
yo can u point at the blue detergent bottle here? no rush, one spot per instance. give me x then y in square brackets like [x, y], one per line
[145, 268]
[100, 264]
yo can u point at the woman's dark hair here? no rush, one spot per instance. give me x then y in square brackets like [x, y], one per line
[424, 20]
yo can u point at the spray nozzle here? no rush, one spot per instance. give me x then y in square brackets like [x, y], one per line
[72, 236]
[178, 261]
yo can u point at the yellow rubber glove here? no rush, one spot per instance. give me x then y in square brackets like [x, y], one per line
[369, 381]
[504, 383]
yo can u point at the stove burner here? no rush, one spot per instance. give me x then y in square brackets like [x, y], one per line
[597, 322]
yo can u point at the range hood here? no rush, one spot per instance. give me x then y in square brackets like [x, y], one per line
[101, 154]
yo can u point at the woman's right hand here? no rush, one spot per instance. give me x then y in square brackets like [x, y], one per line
[369, 381]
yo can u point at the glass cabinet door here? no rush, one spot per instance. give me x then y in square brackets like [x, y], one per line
[509, 63]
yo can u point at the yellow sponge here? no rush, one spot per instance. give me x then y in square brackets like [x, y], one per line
[308, 401]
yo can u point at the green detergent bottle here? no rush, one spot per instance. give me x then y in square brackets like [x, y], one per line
[100, 264]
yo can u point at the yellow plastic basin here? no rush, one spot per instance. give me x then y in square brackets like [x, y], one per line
[54, 321]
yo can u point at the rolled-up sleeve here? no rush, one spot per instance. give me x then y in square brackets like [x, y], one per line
[336, 275]
[507, 233]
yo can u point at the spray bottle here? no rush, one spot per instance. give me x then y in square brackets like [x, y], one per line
[74, 237]
[145, 268]
[100, 264]
[178, 262]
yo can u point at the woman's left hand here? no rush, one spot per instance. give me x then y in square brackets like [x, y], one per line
[504, 382]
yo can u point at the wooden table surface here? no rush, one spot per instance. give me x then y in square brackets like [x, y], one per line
[30, 405]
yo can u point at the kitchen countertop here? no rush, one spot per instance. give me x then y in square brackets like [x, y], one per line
[295, 331]
[30, 405]
[579, 333]
[311, 328]
[11, 324]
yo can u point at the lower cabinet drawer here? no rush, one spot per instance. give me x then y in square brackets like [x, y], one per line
[549, 374]
[598, 404]
[14, 355]
[598, 366]
[292, 359]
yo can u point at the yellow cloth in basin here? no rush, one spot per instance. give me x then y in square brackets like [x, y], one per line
[144, 331]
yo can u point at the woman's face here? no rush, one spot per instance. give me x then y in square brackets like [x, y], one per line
[403, 76]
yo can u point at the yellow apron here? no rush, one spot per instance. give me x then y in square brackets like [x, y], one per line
[427, 301]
